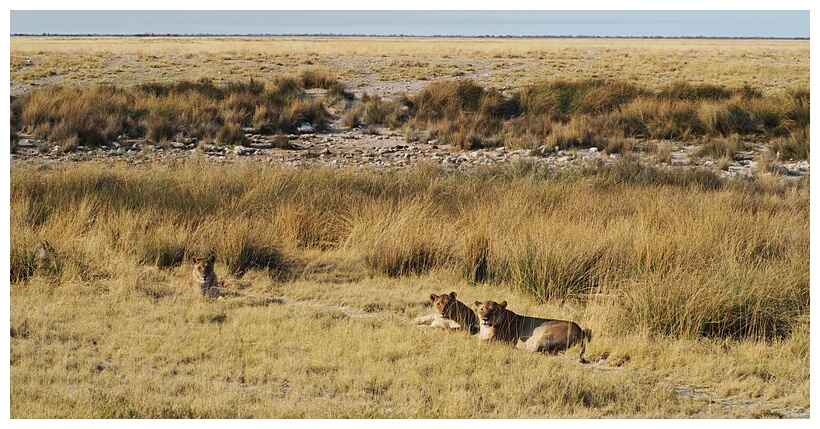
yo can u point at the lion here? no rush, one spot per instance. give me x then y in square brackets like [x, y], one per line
[450, 314]
[203, 279]
[529, 333]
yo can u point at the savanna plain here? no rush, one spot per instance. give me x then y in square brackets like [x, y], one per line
[655, 192]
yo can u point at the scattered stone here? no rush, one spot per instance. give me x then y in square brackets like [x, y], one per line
[341, 147]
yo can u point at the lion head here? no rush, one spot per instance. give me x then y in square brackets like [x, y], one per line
[490, 313]
[444, 303]
[203, 268]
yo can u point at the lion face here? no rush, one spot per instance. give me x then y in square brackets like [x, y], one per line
[443, 303]
[204, 268]
[490, 313]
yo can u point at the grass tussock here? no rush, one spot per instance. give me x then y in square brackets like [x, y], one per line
[795, 146]
[598, 113]
[162, 112]
[460, 113]
[376, 111]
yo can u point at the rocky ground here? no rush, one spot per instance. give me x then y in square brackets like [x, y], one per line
[344, 147]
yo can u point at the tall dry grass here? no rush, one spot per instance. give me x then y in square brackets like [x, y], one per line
[709, 250]
[680, 277]
[558, 114]
[599, 113]
[161, 112]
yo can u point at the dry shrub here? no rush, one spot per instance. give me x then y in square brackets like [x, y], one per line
[629, 169]
[381, 111]
[658, 119]
[14, 142]
[161, 111]
[729, 303]
[465, 133]
[160, 130]
[543, 273]
[617, 144]
[239, 107]
[584, 131]
[317, 78]
[797, 103]
[337, 93]
[796, 146]
[446, 100]
[662, 151]
[260, 118]
[695, 92]
[352, 117]
[302, 227]
[94, 116]
[461, 114]
[719, 148]
[231, 134]
[560, 99]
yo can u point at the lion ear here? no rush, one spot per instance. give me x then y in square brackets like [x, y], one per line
[477, 304]
[453, 295]
[194, 258]
[503, 304]
[433, 297]
[212, 259]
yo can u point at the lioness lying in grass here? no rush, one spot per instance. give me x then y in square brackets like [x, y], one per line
[530, 333]
[450, 314]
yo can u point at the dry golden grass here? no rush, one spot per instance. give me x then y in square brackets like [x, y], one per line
[696, 288]
[686, 283]
[777, 64]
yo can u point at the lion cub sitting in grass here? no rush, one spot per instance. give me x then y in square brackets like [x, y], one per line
[203, 279]
[450, 314]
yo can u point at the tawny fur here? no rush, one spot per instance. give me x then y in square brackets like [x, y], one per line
[203, 280]
[450, 314]
[530, 333]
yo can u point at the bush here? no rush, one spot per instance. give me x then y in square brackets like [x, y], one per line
[721, 147]
[794, 147]
[318, 78]
[161, 111]
[159, 130]
[352, 118]
[698, 92]
[451, 100]
[379, 111]
[231, 134]
[559, 99]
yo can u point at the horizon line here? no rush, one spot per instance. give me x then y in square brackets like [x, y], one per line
[488, 36]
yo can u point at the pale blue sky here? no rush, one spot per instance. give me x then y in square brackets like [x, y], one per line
[621, 23]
